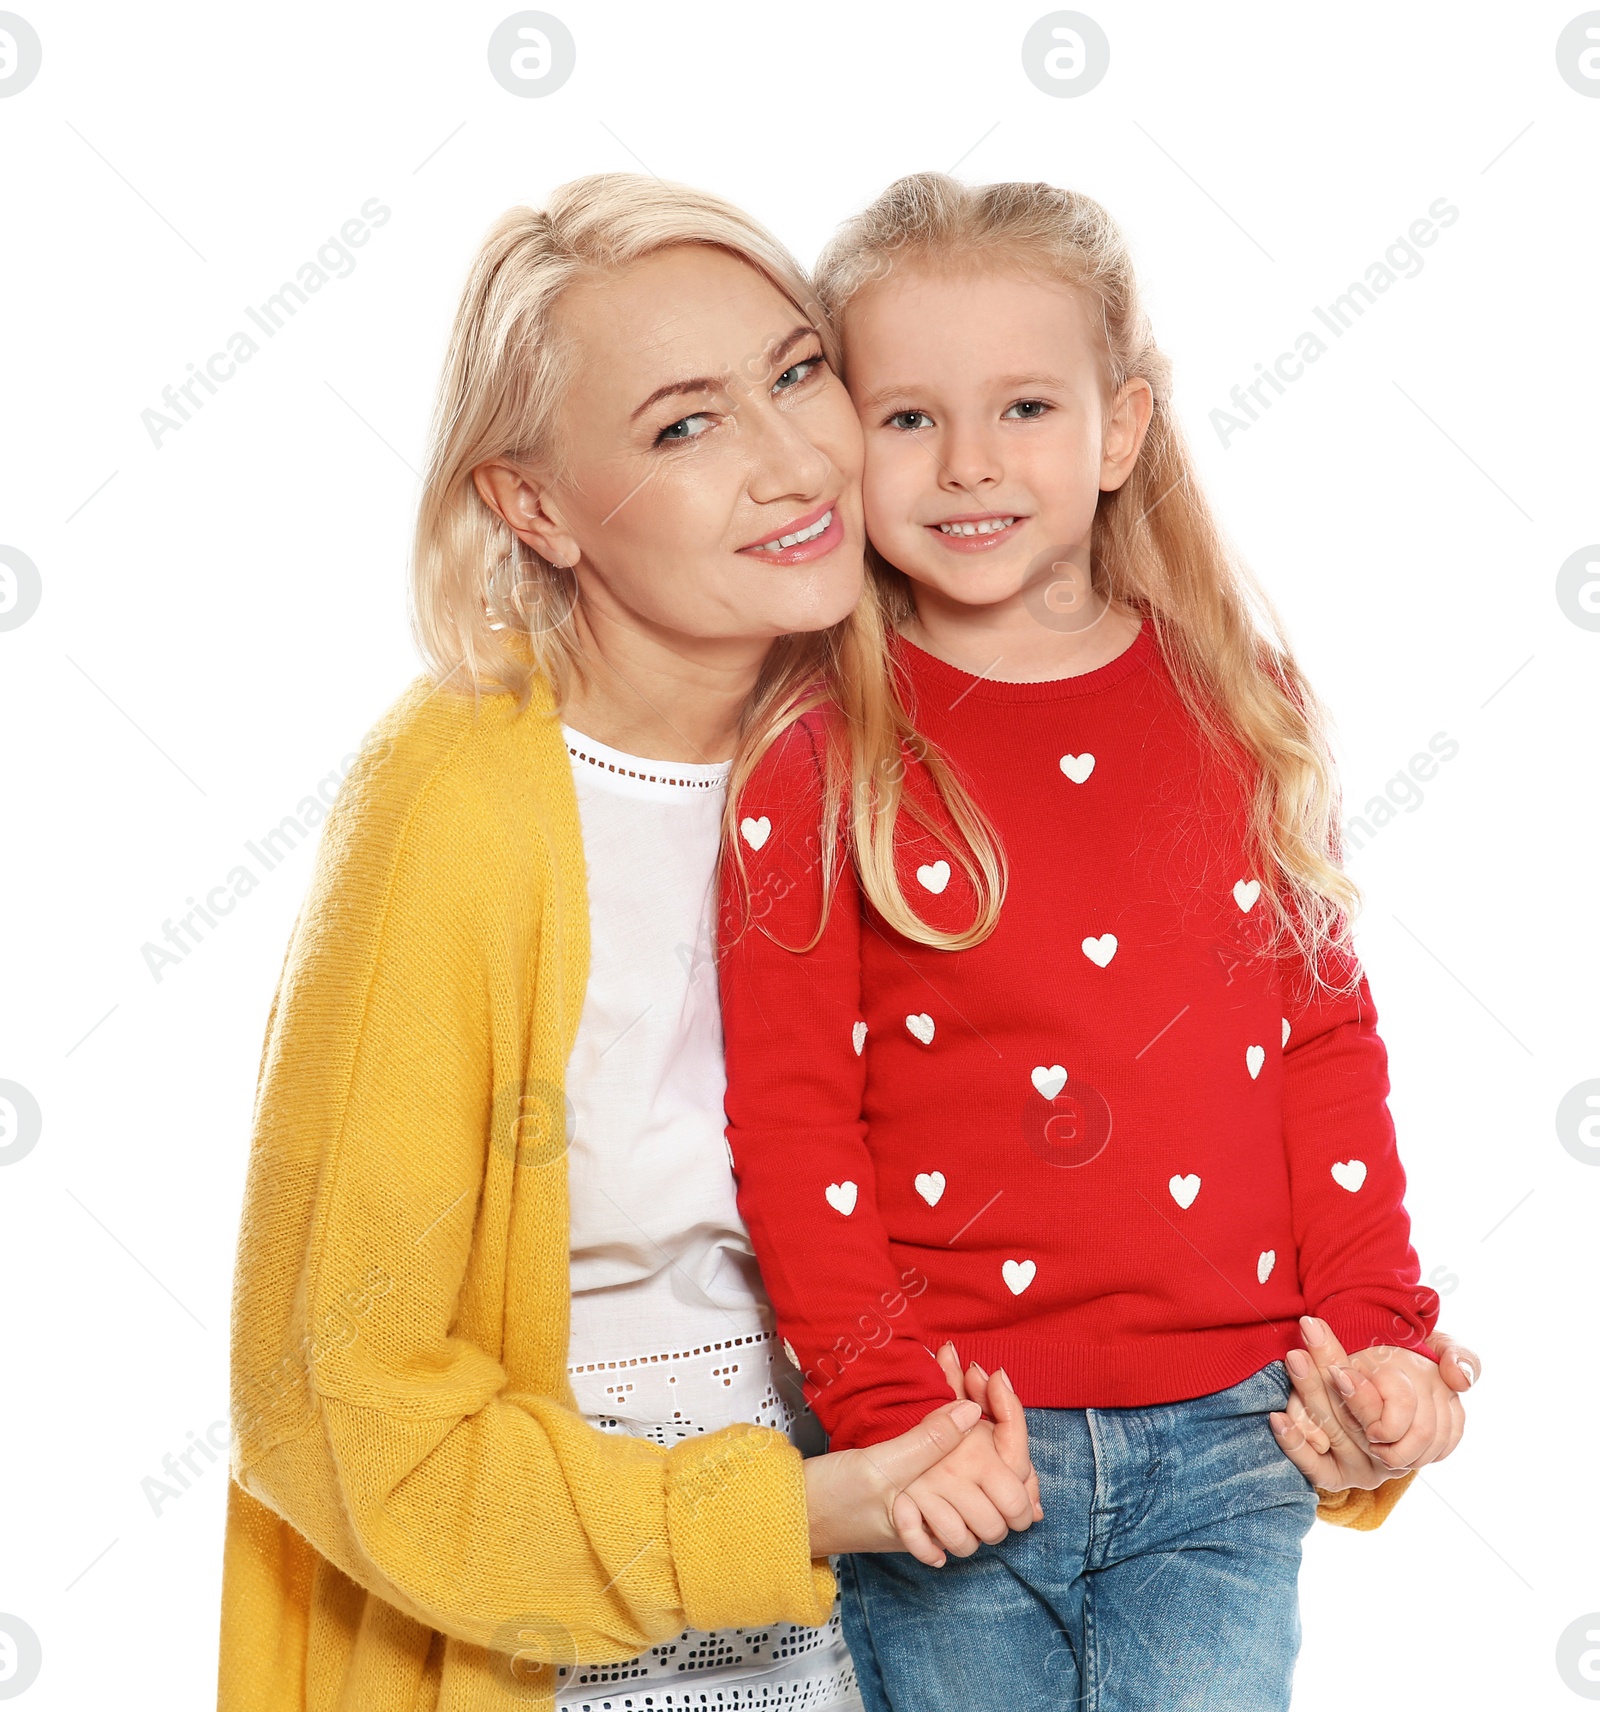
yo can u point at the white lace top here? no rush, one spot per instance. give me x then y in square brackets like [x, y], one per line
[671, 1331]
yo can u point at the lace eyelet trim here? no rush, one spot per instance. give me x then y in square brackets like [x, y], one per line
[715, 784]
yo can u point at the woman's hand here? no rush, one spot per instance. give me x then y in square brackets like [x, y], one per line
[856, 1499]
[1324, 1429]
[1318, 1432]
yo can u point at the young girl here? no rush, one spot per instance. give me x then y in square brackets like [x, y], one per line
[1044, 1032]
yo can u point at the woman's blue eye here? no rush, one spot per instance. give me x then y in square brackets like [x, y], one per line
[679, 430]
[792, 377]
[1032, 408]
[911, 420]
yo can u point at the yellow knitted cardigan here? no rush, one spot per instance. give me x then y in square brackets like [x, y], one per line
[419, 1518]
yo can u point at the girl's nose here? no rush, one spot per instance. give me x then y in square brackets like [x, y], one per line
[968, 460]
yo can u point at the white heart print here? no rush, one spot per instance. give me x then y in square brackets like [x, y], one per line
[1254, 1058]
[841, 1197]
[1049, 1079]
[1245, 893]
[858, 1037]
[755, 832]
[1100, 951]
[1018, 1274]
[1077, 767]
[934, 875]
[930, 1186]
[1286, 1031]
[1264, 1266]
[921, 1025]
[1349, 1174]
[1184, 1189]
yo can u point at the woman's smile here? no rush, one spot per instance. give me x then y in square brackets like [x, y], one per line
[812, 536]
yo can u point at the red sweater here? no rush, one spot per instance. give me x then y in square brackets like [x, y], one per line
[1112, 1148]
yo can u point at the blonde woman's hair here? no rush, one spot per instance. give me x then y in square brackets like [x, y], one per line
[478, 592]
[1156, 547]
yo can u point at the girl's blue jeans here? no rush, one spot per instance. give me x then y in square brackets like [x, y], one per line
[1162, 1578]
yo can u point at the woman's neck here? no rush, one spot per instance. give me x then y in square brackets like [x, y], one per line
[658, 694]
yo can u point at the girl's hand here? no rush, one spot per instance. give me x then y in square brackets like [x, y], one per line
[1003, 1407]
[1421, 1419]
[969, 1497]
[856, 1499]
[1458, 1365]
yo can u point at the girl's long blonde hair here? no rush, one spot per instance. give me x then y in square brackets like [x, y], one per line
[476, 589]
[1155, 545]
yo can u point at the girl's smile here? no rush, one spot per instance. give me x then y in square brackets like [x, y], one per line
[977, 531]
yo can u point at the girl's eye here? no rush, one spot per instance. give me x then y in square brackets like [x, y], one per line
[1027, 410]
[911, 420]
[682, 429]
[796, 373]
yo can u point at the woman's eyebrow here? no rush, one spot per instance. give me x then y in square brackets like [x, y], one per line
[785, 345]
[702, 383]
[717, 383]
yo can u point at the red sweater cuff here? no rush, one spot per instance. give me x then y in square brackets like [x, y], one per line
[1365, 1326]
[858, 1432]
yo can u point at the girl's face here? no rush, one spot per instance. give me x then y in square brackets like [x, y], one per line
[988, 439]
[702, 426]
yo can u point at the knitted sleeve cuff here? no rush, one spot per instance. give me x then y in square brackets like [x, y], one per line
[1356, 1507]
[1361, 1325]
[739, 1533]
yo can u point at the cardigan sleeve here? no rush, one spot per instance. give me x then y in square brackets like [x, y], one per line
[1360, 1508]
[794, 1035]
[373, 1402]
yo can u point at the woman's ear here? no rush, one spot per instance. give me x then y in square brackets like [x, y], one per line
[1126, 423]
[529, 509]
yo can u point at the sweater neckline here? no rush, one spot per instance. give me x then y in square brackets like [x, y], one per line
[961, 685]
[638, 775]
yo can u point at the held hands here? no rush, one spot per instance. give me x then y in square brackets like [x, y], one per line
[986, 1487]
[871, 1498]
[960, 1477]
[856, 1499]
[1363, 1419]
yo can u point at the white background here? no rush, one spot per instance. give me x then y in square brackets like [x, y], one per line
[223, 617]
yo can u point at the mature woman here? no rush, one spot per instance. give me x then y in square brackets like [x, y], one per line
[509, 1420]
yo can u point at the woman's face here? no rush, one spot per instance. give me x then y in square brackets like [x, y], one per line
[702, 427]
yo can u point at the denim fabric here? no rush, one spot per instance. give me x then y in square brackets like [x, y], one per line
[1163, 1575]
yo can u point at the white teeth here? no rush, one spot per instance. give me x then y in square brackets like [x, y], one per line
[799, 535]
[989, 526]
